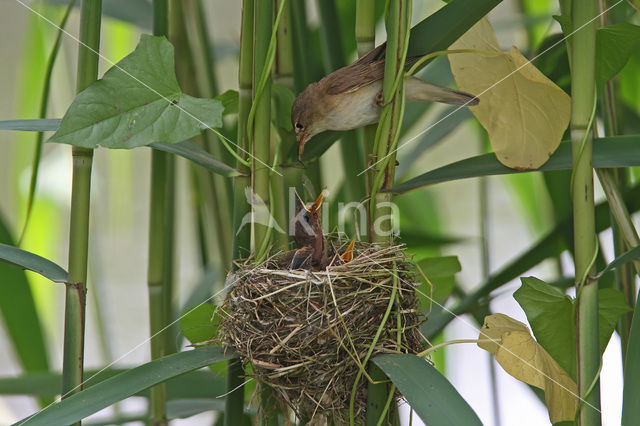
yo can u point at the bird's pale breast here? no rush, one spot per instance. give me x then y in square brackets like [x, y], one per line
[355, 109]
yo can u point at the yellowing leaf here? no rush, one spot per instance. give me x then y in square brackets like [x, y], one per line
[523, 358]
[523, 111]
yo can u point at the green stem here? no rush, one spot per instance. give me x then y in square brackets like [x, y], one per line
[260, 136]
[624, 277]
[352, 155]
[365, 26]
[157, 250]
[283, 75]
[306, 71]
[75, 300]
[387, 135]
[583, 95]
[365, 40]
[234, 402]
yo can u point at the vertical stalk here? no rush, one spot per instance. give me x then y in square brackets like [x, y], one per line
[234, 402]
[352, 156]
[305, 71]
[365, 39]
[283, 75]
[624, 277]
[365, 26]
[387, 134]
[261, 137]
[582, 99]
[193, 58]
[75, 300]
[161, 172]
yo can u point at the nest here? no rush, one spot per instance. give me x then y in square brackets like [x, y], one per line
[305, 333]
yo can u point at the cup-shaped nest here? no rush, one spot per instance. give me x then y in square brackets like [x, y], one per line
[307, 334]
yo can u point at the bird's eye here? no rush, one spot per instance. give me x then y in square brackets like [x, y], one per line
[307, 218]
[299, 126]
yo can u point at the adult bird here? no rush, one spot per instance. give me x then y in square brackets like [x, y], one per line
[351, 97]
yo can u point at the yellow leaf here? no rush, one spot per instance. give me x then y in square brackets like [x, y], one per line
[524, 113]
[523, 358]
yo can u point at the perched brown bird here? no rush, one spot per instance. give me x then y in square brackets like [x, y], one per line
[308, 236]
[351, 97]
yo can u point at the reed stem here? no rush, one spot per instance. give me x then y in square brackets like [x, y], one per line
[75, 292]
[161, 174]
[582, 99]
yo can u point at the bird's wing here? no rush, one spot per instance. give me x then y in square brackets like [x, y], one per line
[366, 70]
[351, 78]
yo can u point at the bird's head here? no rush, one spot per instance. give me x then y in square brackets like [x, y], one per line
[308, 221]
[305, 117]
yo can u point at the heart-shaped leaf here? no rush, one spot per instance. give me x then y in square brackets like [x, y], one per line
[136, 103]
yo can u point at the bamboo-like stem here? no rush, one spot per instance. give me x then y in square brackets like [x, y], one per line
[582, 100]
[365, 40]
[75, 300]
[624, 276]
[213, 190]
[305, 71]
[398, 27]
[234, 402]
[158, 221]
[352, 155]
[284, 141]
[365, 26]
[261, 137]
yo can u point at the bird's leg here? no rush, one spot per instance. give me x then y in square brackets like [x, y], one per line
[380, 100]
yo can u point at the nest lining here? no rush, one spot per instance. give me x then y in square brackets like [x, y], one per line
[305, 333]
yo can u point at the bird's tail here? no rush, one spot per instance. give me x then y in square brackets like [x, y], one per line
[418, 90]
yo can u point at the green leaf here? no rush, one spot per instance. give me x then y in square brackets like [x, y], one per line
[611, 305]
[193, 152]
[631, 389]
[548, 246]
[282, 98]
[550, 314]
[117, 388]
[32, 125]
[200, 323]
[19, 314]
[27, 260]
[614, 46]
[440, 272]
[617, 151]
[440, 30]
[623, 259]
[185, 149]
[229, 101]
[136, 103]
[428, 392]
[195, 384]
[444, 266]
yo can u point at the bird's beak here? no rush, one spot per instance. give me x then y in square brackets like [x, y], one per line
[317, 203]
[347, 256]
[302, 139]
